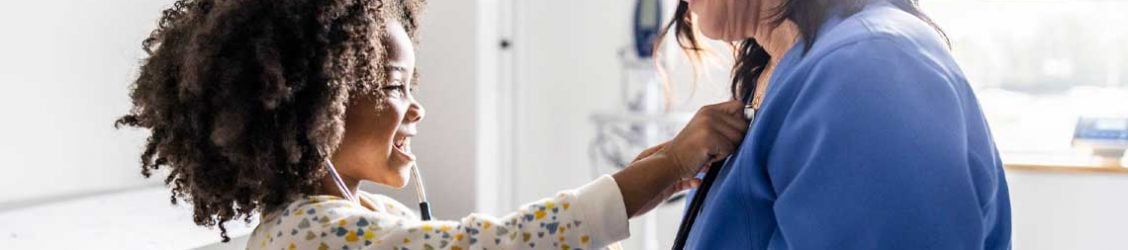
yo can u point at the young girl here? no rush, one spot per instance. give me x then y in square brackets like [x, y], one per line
[281, 107]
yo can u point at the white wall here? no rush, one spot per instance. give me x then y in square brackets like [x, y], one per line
[566, 70]
[1069, 210]
[65, 67]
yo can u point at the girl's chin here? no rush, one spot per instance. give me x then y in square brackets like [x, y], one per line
[400, 162]
[398, 181]
[393, 175]
[404, 175]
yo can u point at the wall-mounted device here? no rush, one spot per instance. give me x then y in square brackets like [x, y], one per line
[647, 26]
[1106, 136]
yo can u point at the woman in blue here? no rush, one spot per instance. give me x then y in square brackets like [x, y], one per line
[867, 135]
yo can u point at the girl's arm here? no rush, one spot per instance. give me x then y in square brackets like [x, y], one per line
[589, 217]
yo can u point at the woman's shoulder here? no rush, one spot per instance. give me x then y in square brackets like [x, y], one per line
[879, 44]
[879, 56]
[880, 29]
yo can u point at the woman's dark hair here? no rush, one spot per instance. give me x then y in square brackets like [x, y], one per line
[808, 16]
[245, 98]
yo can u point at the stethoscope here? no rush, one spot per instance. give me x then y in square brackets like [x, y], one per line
[702, 190]
[424, 206]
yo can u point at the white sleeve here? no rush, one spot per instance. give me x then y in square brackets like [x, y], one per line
[602, 203]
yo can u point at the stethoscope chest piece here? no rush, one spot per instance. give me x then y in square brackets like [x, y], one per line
[749, 112]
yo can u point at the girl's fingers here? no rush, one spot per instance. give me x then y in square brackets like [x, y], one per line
[686, 184]
[731, 135]
[730, 107]
[734, 121]
[649, 151]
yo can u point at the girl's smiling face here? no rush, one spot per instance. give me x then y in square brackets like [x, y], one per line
[377, 141]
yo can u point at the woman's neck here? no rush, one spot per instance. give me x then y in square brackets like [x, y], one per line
[777, 39]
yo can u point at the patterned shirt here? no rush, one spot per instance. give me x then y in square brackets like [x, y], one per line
[590, 217]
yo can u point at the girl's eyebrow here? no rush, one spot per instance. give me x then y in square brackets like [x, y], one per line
[401, 69]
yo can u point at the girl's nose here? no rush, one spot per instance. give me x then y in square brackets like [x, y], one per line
[415, 112]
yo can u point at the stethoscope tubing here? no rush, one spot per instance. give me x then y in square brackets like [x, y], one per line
[695, 205]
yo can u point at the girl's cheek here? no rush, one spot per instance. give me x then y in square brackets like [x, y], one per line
[396, 106]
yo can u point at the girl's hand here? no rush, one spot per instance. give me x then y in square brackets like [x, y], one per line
[668, 168]
[682, 185]
[649, 151]
[713, 134]
[665, 195]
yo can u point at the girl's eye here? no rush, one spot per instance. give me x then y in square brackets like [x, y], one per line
[398, 89]
[395, 84]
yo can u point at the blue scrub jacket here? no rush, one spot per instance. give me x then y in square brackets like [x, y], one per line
[871, 140]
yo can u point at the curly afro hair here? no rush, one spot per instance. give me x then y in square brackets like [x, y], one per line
[245, 98]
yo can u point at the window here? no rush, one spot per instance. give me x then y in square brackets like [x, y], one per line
[1037, 66]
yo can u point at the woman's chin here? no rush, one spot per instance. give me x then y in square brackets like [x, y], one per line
[716, 34]
[729, 37]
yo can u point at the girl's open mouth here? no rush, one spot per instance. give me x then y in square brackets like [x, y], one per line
[402, 144]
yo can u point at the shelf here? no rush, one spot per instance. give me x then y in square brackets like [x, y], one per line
[1066, 168]
[1063, 161]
